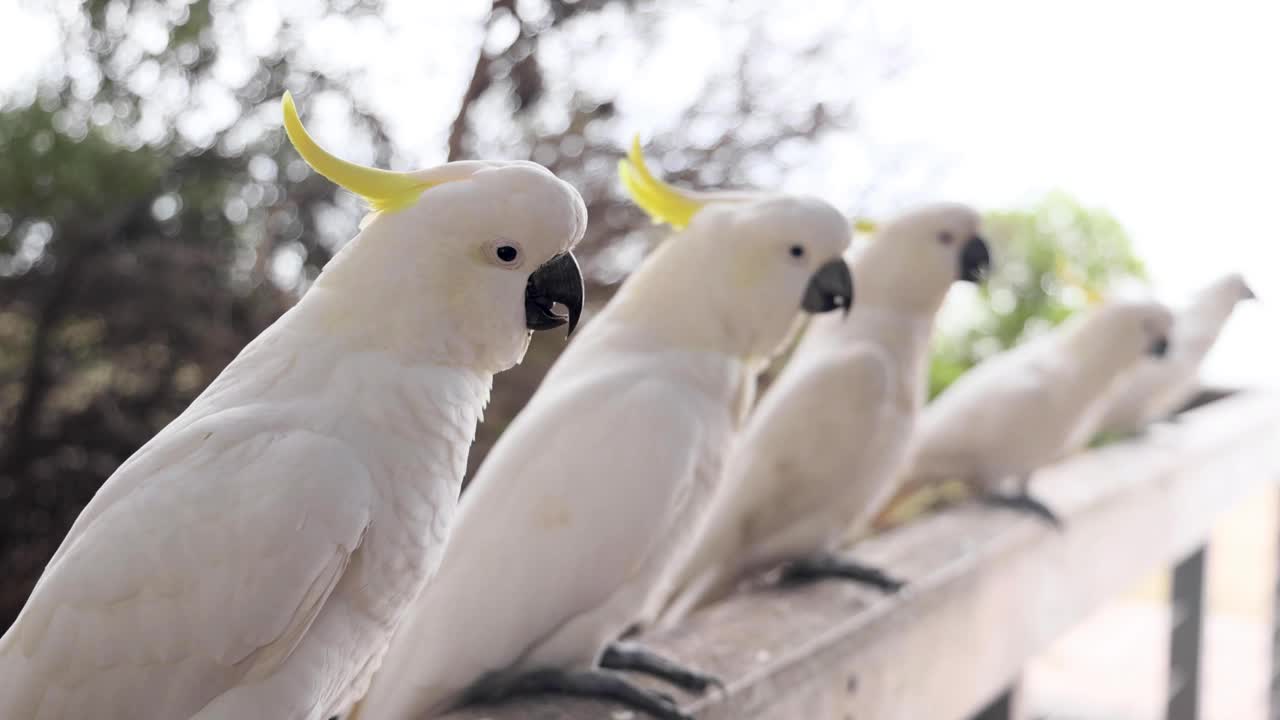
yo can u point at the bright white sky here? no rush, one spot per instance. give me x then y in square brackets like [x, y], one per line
[1166, 113]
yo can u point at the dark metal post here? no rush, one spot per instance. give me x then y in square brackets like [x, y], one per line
[1187, 616]
[999, 709]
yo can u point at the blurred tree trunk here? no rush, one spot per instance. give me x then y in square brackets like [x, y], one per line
[38, 380]
[479, 82]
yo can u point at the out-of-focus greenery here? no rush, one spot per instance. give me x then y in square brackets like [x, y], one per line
[147, 204]
[1047, 259]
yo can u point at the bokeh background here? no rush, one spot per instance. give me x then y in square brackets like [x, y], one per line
[153, 219]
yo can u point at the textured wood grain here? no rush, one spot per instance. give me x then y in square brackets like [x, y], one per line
[989, 589]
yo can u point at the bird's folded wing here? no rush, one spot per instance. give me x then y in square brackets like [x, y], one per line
[205, 570]
[566, 508]
[815, 406]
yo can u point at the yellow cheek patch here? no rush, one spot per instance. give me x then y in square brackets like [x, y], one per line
[664, 203]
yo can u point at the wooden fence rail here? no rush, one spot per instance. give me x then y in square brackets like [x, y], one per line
[988, 589]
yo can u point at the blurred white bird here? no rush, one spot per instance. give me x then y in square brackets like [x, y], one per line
[1157, 388]
[561, 536]
[818, 458]
[1032, 405]
[252, 559]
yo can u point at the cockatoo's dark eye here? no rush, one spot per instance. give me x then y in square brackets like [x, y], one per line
[796, 251]
[945, 237]
[505, 253]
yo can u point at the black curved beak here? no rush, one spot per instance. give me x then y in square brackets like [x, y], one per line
[975, 260]
[1159, 348]
[559, 280]
[1249, 294]
[829, 288]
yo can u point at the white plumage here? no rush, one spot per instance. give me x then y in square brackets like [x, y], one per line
[562, 537]
[251, 560]
[1158, 387]
[820, 454]
[1033, 405]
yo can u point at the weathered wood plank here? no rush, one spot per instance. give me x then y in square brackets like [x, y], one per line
[989, 589]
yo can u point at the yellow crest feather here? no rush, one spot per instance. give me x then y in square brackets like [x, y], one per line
[383, 189]
[664, 203]
[1072, 279]
[864, 225]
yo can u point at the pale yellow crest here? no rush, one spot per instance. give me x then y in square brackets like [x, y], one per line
[664, 203]
[382, 189]
[1069, 277]
[864, 225]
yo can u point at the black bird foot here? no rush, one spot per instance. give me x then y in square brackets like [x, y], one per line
[821, 567]
[1024, 502]
[629, 656]
[580, 683]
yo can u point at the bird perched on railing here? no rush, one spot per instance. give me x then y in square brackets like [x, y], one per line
[1156, 388]
[1034, 404]
[829, 437]
[251, 560]
[560, 537]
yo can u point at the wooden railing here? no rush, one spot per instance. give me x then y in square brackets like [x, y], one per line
[988, 590]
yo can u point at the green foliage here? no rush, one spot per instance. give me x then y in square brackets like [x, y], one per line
[1048, 259]
[52, 174]
[135, 257]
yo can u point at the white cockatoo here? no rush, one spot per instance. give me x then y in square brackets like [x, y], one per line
[1034, 404]
[1155, 388]
[818, 458]
[252, 559]
[561, 536]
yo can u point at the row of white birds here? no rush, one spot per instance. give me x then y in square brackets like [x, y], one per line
[288, 547]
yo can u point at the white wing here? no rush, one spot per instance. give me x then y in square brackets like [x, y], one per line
[797, 476]
[1129, 403]
[564, 510]
[816, 439]
[1159, 386]
[990, 416]
[198, 566]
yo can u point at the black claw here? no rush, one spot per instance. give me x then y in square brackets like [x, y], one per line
[1024, 502]
[628, 656]
[821, 567]
[580, 683]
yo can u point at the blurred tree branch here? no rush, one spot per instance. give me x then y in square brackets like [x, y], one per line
[479, 82]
